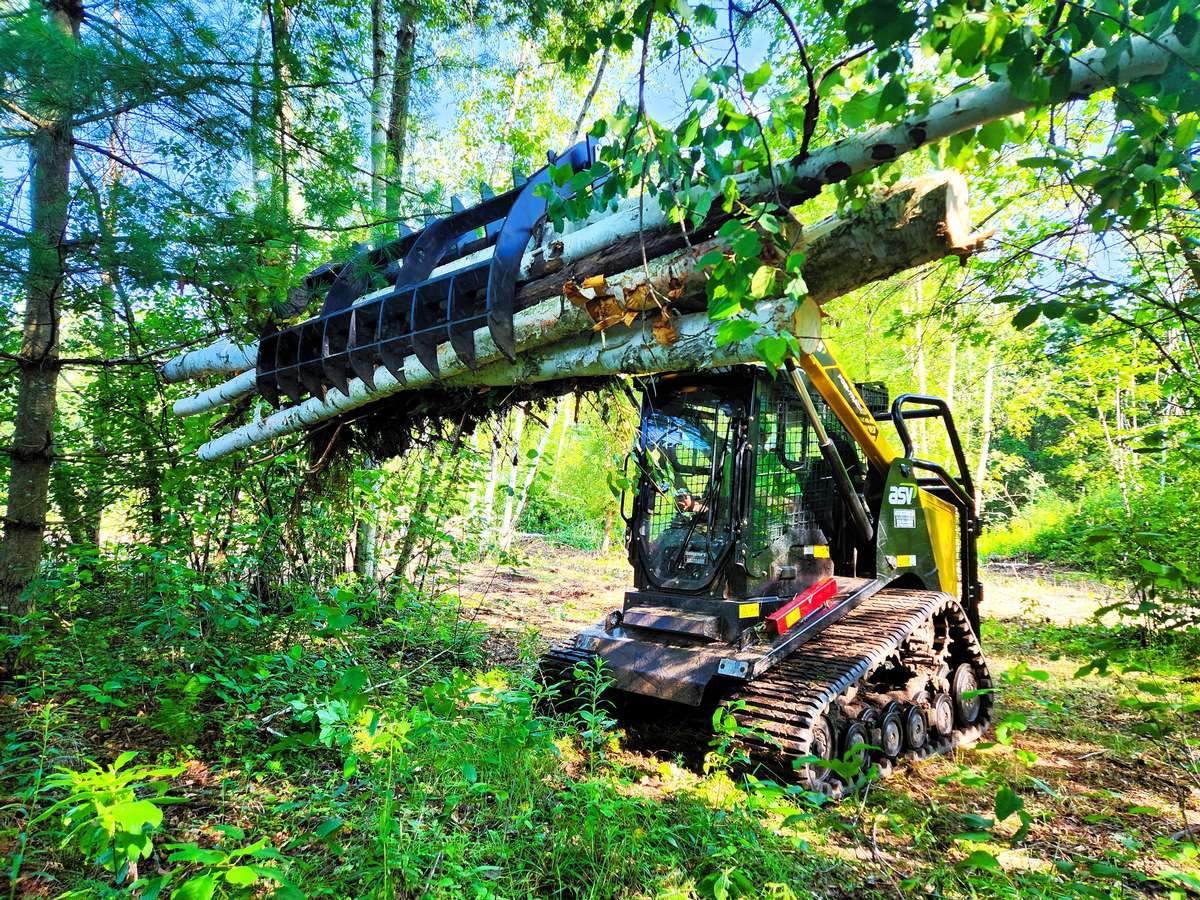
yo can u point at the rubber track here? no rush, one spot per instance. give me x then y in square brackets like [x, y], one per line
[784, 704]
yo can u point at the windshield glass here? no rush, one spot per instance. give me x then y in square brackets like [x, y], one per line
[687, 451]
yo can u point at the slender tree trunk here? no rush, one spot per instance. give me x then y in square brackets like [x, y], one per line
[507, 538]
[509, 501]
[489, 494]
[378, 130]
[952, 372]
[32, 447]
[524, 53]
[590, 97]
[286, 194]
[366, 538]
[985, 440]
[397, 128]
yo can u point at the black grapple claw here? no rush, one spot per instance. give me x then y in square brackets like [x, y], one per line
[426, 288]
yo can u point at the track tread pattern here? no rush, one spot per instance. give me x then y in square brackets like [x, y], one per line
[780, 708]
[784, 704]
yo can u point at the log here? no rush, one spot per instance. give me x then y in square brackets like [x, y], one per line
[221, 356]
[910, 224]
[623, 349]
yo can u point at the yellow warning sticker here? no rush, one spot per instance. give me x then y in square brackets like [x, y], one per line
[747, 610]
[903, 562]
[819, 551]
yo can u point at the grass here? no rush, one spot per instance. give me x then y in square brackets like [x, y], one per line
[386, 757]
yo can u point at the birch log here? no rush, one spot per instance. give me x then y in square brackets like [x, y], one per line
[219, 357]
[621, 350]
[911, 223]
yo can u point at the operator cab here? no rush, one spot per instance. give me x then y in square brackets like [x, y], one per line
[734, 498]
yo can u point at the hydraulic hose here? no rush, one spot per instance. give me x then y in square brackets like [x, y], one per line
[854, 503]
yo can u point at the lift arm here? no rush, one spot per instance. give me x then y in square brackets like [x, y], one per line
[827, 376]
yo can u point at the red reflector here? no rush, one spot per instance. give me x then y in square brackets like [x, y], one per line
[801, 605]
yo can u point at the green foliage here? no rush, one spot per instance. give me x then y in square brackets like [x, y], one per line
[109, 812]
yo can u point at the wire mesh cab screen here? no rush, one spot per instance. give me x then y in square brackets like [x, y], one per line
[688, 454]
[795, 503]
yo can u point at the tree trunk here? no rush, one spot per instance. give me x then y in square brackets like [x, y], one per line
[507, 525]
[366, 537]
[985, 439]
[506, 539]
[397, 129]
[32, 448]
[488, 504]
[378, 131]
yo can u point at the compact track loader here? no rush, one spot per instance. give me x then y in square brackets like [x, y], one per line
[788, 565]
[791, 567]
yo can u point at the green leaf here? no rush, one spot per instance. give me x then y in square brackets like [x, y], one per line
[1007, 803]
[470, 773]
[993, 134]
[981, 859]
[756, 79]
[198, 888]
[124, 758]
[134, 815]
[733, 330]
[1185, 134]
[763, 282]
[242, 876]
[1026, 316]
[772, 351]
[1145, 172]
[328, 827]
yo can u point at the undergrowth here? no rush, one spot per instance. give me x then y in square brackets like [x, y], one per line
[345, 742]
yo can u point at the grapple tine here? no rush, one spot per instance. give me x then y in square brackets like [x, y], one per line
[463, 313]
[308, 358]
[485, 191]
[526, 214]
[334, 344]
[395, 327]
[363, 351]
[429, 311]
[519, 177]
[264, 377]
[286, 367]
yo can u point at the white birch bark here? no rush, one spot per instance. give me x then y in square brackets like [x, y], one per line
[985, 440]
[506, 524]
[510, 532]
[220, 357]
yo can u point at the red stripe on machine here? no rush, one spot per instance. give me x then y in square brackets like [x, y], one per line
[801, 605]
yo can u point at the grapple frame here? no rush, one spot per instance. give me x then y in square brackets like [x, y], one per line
[443, 288]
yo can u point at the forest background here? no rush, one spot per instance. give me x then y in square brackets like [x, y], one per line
[169, 171]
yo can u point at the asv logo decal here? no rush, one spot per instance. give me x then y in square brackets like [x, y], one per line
[901, 494]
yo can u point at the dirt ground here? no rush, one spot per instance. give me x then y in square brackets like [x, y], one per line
[554, 591]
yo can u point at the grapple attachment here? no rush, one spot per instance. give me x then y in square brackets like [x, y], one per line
[443, 282]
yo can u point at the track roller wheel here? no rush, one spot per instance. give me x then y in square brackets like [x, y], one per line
[855, 739]
[966, 708]
[916, 728]
[941, 715]
[822, 746]
[891, 731]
